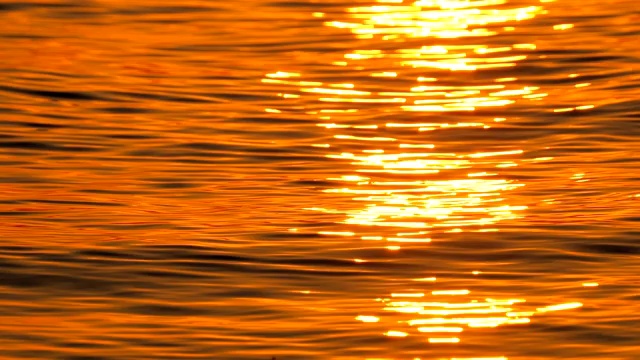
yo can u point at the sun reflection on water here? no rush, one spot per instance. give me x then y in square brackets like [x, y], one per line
[404, 189]
[441, 314]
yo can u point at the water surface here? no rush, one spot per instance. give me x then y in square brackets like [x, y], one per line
[434, 179]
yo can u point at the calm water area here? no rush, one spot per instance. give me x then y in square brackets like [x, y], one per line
[320, 179]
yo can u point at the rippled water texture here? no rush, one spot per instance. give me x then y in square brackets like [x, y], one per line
[313, 180]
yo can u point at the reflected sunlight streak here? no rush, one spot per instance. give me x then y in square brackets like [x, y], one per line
[409, 187]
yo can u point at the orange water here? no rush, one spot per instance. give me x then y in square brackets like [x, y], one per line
[433, 179]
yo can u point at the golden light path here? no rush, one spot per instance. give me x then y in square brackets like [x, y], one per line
[400, 179]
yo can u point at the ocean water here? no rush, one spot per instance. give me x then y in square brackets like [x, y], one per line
[318, 180]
